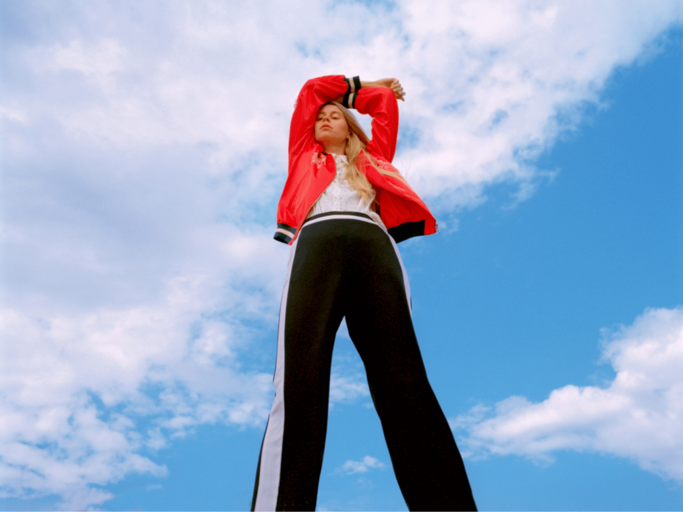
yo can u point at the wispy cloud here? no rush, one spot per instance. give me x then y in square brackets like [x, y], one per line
[361, 466]
[79, 388]
[348, 387]
[348, 382]
[144, 147]
[638, 416]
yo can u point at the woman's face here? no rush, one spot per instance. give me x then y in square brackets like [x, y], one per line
[331, 127]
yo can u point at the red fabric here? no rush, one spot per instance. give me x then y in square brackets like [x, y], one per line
[310, 171]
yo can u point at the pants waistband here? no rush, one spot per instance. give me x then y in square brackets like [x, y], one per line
[338, 215]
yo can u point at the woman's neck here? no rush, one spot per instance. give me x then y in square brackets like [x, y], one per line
[336, 149]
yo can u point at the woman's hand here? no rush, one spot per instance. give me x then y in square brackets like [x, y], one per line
[390, 83]
[394, 85]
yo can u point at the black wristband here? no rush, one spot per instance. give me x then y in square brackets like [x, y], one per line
[356, 82]
[353, 86]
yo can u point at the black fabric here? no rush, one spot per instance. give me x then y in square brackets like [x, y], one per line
[345, 100]
[356, 83]
[287, 228]
[281, 237]
[349, 268]
[352, 100]
[407, 230]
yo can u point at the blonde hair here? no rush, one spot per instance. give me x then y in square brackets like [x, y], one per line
[356, 142]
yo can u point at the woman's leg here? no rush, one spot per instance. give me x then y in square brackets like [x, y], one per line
[426, 460]
[310, 314]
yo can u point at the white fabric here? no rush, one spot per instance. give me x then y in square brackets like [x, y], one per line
[340, 197]
[271, 452]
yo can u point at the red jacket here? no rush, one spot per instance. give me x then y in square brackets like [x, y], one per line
[311, 170]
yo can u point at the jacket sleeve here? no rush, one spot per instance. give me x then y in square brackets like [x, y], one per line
[315, 93]
[382, 106]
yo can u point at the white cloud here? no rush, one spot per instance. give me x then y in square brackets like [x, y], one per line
[78, 388]
[495, 85]
[99, 60]
[361, 466]
[348, 381]
[638, 416]
[143, 154]
[347, 387]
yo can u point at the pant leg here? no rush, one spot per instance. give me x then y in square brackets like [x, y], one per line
[310, 315]
[426, 460]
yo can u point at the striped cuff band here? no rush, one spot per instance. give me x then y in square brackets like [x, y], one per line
[284, 233]
[353, 86]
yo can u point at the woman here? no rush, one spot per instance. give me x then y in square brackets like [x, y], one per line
[343, 209]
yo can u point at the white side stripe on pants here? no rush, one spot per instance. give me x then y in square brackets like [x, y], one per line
[271, 456]
[269, 478]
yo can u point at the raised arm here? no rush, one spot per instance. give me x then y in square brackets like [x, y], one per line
[378, 99]
[315, 93]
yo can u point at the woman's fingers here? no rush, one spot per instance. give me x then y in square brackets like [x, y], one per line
[398, 90]
[394, 85]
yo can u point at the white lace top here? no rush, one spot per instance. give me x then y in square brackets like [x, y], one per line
[340, 197]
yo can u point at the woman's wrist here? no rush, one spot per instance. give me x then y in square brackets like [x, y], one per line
[389, 83]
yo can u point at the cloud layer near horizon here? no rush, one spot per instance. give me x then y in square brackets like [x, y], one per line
[637, 416]
[143, 154]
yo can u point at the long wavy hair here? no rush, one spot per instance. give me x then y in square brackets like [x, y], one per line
[356, 142]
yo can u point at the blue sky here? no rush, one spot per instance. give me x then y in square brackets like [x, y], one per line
[141, 284]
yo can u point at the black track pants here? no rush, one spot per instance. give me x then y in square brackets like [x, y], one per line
[344, 265]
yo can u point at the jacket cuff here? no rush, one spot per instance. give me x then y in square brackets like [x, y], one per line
[353, 86]
[407, 230]
[284, 233]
